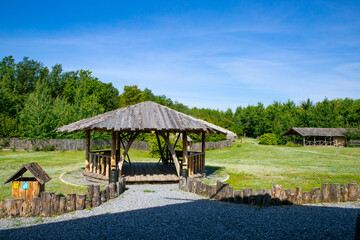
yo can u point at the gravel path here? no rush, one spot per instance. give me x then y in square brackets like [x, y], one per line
[164, 212]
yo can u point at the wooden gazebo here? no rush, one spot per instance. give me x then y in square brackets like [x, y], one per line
[319, 136]
[127, 123]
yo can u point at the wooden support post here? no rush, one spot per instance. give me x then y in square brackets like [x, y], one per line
[96, 198]
[203, 149]
[304, 141]
[170, 147]
[126, 150]
[87, 149]
[185, 151]
[113, 151]
[80, 202]
[118, 138]
[160, 147]
[71, 202]
[334, 192]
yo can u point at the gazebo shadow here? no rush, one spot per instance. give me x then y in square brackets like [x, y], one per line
[201, 219]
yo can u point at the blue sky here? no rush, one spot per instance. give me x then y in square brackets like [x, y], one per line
[212, 54]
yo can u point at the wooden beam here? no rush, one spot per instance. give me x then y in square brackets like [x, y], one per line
[160, 147]
[118, 144]
[203, 149]
[87, 161]
[127, 148]
[185, 150]
[113, 151]
[170, 147]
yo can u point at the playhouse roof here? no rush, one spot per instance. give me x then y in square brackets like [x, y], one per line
[35, 170]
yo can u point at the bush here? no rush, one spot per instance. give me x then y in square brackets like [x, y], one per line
[291, 144]
[268, 139]
[353, 133]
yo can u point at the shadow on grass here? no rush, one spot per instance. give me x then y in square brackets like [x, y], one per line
[201, 219]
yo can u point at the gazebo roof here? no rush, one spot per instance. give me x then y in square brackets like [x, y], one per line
[321, 132]
[146, 117]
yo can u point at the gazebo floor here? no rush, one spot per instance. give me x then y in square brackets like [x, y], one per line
[145, 172]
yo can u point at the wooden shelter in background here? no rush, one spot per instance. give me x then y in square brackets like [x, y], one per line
[28, 187]
[125, 124]
[319, 136]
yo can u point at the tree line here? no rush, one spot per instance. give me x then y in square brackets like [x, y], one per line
[35, 100]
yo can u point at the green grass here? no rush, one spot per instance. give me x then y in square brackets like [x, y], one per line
[54, 164]
[248, 165]
[257, 166]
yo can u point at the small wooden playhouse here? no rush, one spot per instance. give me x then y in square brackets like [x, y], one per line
[28, 187]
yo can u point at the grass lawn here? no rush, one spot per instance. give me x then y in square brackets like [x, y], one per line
[248, 165]
[257, 166]
[53, 163]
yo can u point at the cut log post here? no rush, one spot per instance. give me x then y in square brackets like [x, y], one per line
[315, 195]
[212, 192]
[238, 196]
[259, 196]
[118, 188]
[25, 209]
[181, 183]
[198, 186]
[352, 187]
[219, 190]
[324, 192]
[230, 195]
[46, 204]
[123, 184]
[358, 193]
[71, 202]
[9, 205]
[107, 190]
[189, 184]
[112, 190]
[344, 192]
[357, 229]
[276, 194]
[80, 202]
[55, 203]
[103, 196]
[2, 209]
[89, 196]
[298, 196]
[266, 200]
[246, 195]
[252, 198]
[35, 206]
[334, 192]
[62, 206]
[96, 201]
[306, 197]
[287, 196]
[18, 206]
[194, 185]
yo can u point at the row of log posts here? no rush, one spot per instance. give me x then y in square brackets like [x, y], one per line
[50, 204]
[99, 164]
[275, 196]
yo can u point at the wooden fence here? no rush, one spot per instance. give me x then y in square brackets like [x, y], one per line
[333, 192]
[74, 145]
[51, 204]
[356, 143]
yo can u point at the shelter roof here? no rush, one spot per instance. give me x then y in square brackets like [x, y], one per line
[321, 132]
[35, 170]
[146, 116]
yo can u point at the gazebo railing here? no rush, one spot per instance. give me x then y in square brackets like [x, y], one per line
[99, 163]
[196, 162]
[319, 143]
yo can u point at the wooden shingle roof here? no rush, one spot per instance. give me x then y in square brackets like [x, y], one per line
[321, 132]
[146, 117]
[35, 170]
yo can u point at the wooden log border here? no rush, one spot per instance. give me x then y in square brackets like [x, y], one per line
[50, 204]
[333, 192]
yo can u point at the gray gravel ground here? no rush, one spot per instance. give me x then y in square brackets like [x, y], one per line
[164, 212]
